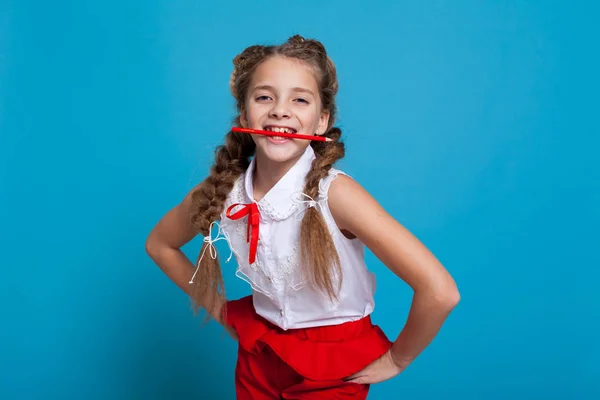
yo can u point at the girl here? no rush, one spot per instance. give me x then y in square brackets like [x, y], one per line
[298, 227]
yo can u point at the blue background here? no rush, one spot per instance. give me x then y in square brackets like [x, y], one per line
[473, 123]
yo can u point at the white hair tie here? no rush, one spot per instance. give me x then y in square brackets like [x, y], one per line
[210, 245]
[303, 198]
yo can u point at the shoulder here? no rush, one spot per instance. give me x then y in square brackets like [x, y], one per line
[327, 180]
[352, 206]
[345, 191]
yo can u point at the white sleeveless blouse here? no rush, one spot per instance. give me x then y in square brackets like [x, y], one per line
[280, 292]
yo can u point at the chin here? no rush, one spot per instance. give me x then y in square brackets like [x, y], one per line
[281, 154]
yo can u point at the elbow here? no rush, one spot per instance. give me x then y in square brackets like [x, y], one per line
[448, 297]
[443, 297]
[151, 248]
[452, 298]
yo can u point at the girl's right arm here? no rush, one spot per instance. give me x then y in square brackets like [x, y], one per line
[164, 244]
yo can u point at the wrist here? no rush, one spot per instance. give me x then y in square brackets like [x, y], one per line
[400, 361]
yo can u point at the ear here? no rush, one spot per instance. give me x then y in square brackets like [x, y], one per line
[243, 119]
[323, 122]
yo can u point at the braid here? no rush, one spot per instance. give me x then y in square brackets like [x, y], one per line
[208, 199]
[243, 67]
[314, 233]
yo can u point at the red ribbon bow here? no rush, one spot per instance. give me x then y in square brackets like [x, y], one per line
[251, 210]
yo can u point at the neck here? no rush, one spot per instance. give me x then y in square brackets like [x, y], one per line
[267, 173]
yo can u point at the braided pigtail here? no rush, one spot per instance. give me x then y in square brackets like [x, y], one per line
[318, 251]
[231, 160]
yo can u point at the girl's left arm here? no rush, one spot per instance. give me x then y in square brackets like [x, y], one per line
[435, 292]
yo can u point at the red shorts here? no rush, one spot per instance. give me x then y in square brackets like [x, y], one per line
[307, 363]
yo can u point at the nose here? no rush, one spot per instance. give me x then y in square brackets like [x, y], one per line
[280, 110]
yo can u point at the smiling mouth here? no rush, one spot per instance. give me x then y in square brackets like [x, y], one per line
[279, 129]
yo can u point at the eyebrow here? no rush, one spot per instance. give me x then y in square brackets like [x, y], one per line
[295, 89]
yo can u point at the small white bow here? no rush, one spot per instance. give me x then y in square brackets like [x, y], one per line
[303, 198]
[210, 245]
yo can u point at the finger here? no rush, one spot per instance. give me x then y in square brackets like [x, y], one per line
[359, 381]
[353, 376]
[356, 375]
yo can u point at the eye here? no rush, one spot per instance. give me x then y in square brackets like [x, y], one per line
[301, 100]
[263, 98]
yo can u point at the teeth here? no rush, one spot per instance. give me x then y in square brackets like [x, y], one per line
[281, 130]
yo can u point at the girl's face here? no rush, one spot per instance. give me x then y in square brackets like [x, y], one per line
[283, 96]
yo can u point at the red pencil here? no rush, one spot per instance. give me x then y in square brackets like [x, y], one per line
[318, 138]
